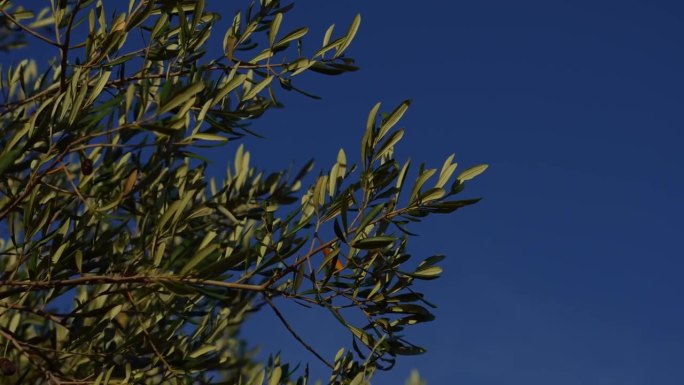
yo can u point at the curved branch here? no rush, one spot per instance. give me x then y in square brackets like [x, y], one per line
[42, 313]
[27, 29]
[294, 334]
[27, 285]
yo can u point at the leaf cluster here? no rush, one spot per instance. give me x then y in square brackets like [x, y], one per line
[116, 240]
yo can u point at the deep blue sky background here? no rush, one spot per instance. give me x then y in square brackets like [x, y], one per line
[569, 271]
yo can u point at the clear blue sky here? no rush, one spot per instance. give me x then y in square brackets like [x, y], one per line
[569, 270]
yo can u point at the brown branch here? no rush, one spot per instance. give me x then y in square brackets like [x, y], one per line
[296, 264]
[37, 177]
[64, 48]
[294, 334]
[64, 352]
[27, 29]
[27, 285]
[79, 45]
[129, 297]
[19, 345]
[116, 82]
[32, 183]
[14, 105]
[42, 313]
[76, 191]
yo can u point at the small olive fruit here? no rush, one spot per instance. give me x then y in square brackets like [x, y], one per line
[7, 367]
[87, 166]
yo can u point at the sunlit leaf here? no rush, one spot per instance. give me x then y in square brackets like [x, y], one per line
[471, 172]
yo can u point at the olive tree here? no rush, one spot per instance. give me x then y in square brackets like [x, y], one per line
[115, 239]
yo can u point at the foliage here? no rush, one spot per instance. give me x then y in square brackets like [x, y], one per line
[116, 240]
[414, 379]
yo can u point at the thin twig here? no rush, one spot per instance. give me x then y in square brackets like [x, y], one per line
[116, 82]
[294, 334]
[19, 345]
[27, 29]
[34, 180]
[64, 48]
[129, 297]
[296, 264]
[29, 285]
[42, 313]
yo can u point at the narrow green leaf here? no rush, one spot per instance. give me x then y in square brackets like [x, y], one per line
[298, 278]
[98, 380]
[275, 376]
[229, 86]
[341, 158]
[275, 26]
[431, 195]
[401, 178]
[409, 350]
[319, 190]
[208, 137]
[199, 257]
[58, 253]
[409, 309]
[353, 28]
[210, 236]
[389, 143]
[377, 287]
[431, 261]
[130, 94]
[365, 338]
[339, 232]
[370, 122]
[344, 205]
[332, 180]
[359, 379]
[159, 254]
[472, 172]
[426, 273]
[257, 88]
[445, 174]
[139, 17]
[446, 207]
[422, 178]
[373, 242]
[371, 215]
[327, 47]
[202, 351]
[170, 211]
[367, 141]
[99, 86]
[294, 35]
[328, 34]
[393, 118]
[78, 258]
[258, 378]
[197, 13]
[8, 158]
[182, 97]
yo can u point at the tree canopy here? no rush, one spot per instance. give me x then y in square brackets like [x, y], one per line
[115, 238]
